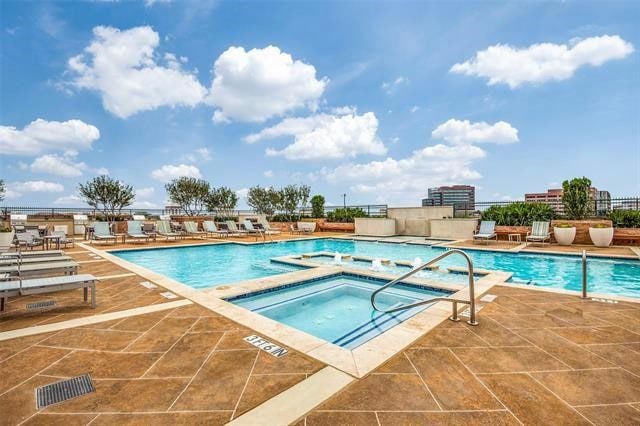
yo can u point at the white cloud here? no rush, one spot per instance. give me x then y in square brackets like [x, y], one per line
[242, 193]
[145, 192]
[150, 3]
[343, 110]
[198, 155]
[464, 132]
[46, 136]
[268, 174]
[169, 172]
[391, 87]
[69, 200]
[259, 84]
[538, 63]
[325, 136]
[121, 67]
[414, 108]
[65, 165]
[16, 189]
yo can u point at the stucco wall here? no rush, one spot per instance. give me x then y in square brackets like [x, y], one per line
[415, 220]
[377, 227]
[453, 228]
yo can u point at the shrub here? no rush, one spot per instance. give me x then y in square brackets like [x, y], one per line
[519, 214]
[625, 218]
[345, 215]
[576, 198]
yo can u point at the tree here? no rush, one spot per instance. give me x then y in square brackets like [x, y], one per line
[3, 190]
[304, 192]
[222, 201]
[290, 197]
[108, 195]
[264, 200]
[576, 198]
[317, 206]
[189, 193]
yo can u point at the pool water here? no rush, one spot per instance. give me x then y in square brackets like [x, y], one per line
[211, 265]
[338, 309]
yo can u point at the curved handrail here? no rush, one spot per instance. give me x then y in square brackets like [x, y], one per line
[471, 301]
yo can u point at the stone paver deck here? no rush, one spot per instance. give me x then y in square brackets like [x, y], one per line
[180, 366]
[535, 358]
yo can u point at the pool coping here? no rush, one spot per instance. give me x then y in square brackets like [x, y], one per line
[357, 362]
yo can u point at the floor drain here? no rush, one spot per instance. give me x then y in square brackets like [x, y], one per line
[168, 295]
[64, 390]
[40, 305]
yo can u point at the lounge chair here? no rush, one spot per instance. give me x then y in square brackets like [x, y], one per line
[13, 260]
[63, 238]
[134, 230]
[231, 226]
[251, 230]
[150, 230]
[68, 267]
[539, 233]
[487, 231]
[267, 227]
[293, 229]
[26, 287]
[192, 229]
[27, 239]
[101, 232]
[163, 228]
[30, 254]
[210, 227]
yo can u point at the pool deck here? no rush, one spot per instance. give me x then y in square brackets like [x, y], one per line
[537, 356]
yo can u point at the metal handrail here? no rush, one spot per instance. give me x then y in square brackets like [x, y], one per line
[454, 317]
[584, 274]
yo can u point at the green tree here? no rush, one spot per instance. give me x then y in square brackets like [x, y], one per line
[189, 193]
[3, 190]
[290, 197]
[108, 195]
[576, 198]
[304, 193]
[264, 200]
[317, 206]
[222, 201]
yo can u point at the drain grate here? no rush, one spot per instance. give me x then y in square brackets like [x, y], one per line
[63, 390]
[40, 305]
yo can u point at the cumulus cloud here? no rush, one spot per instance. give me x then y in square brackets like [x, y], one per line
[47, 136]
[121, 66]
[464, 132]
[404, 180]
[258, 84]
[65, 165]
[145, 192]
[169, 172]
[325, 136]
[72, 199]
[197, 155]
[391, 87]
[542, 62]
[268, 174]
[16, 189]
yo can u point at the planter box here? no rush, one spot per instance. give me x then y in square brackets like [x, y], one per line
[564, 236]
[582, 228]
[601, 237]
[627, 236]
[504, 231]
[453, 228]
[337, 227]
[375, 227]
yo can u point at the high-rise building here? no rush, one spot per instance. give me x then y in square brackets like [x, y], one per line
[460, 196]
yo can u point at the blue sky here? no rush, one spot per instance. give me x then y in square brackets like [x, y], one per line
[379, 100]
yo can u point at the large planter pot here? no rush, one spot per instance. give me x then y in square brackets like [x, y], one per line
[6, 239]
[601, 237]
[564, 236]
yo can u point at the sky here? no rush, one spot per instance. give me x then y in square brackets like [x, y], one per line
[375, 100]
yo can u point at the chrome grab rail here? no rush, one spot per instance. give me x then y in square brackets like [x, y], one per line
[454, 317]
[584, 274]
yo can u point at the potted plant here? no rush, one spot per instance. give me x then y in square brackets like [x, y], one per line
[6, 236]
[601, 234]
[564, 233]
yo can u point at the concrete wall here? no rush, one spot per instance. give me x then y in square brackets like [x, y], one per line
[416, 220]
[453, 228]
[377, 227]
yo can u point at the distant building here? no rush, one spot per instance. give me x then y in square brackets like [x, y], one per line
[172, 209]
[462, 197]
[553, 197]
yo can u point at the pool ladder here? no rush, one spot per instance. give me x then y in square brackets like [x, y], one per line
[454, 317]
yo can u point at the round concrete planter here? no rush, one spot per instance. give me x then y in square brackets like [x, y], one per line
[601, 237]
[564, 236]
[6, 239]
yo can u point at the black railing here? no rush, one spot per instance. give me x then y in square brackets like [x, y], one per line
[599, 208]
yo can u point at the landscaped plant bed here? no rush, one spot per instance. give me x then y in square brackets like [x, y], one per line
[582, 228]
[337, 227]
[504, 231]
[626, 236]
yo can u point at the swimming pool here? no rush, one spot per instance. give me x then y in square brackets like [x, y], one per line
[338, 308]
[210, 265]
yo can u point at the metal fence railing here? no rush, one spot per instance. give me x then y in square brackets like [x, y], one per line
[598, 207]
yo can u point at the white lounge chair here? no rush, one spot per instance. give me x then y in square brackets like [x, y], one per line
[487, 231]
[267, 227]
[134, 230]
[101, 232]
[251, 230]
[29, 254]
[163, 228]
[63, 238]
[192, 229]
[210, 227]
[539, 233]
[22, 287]
[27, 239]
[13, 260]
[231, 225]
[68, 267]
